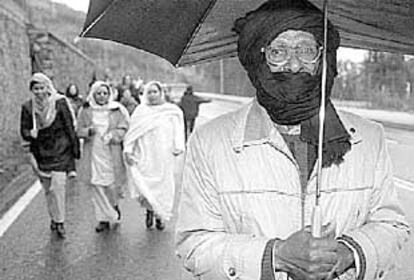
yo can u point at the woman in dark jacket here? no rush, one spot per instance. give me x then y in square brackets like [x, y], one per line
[74, 97]
[47, 123]
[126, 92]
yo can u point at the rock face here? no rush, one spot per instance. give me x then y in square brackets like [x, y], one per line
[15, 68]
[24, 49]
[59, 60]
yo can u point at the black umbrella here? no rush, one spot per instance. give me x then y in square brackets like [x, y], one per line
[192, 31]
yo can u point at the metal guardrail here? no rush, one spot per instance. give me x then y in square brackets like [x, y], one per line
[224, 97]
[394, 119]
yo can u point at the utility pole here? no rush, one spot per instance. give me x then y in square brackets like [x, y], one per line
[221, 76]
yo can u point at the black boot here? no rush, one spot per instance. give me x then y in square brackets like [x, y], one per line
[159, 224]
[149, 221]
[102, 226]
[53, 225]
[60, 230]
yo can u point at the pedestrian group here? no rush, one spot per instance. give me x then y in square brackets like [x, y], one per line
[119, 142]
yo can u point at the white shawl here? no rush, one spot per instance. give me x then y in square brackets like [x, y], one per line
[144, 179]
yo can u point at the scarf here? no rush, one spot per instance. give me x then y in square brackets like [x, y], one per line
[159, 85]
[148, 117]
[44, 107]
[111, 105]
[293, 98]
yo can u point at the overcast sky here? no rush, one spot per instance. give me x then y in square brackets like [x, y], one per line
[79, 5]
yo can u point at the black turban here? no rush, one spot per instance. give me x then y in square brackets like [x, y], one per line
[258, 28]
[293, 98]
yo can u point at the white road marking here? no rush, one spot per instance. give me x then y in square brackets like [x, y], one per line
[404, 184]
[10, 216]
[391, 141]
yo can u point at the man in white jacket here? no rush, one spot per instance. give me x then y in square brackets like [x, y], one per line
[249, 179]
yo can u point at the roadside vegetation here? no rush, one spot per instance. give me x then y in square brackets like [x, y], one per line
[382, 80]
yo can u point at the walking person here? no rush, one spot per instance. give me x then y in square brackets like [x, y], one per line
[74, 97]
[125, 94]
[102, 123]
[47, 123]
[76, 102]
[250, 176]
[154, 139]
[190, 104]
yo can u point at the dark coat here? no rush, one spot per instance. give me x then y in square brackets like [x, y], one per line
[56, 146]
[76, 102]
[190, 105]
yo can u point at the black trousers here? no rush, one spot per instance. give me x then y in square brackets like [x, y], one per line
[188, 127]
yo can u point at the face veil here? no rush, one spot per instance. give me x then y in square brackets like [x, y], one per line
[292, 98]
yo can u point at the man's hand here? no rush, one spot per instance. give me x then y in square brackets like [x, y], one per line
[304, 257]
[34, 133]
[345, 261]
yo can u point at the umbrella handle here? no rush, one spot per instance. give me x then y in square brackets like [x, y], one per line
[317, 222]
[317, 215]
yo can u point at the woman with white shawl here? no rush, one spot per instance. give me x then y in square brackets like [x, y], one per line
[48, 124]
[102, 123]
[154, 138]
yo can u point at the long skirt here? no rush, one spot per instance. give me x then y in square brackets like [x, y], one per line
[54, 186]
[104, 199]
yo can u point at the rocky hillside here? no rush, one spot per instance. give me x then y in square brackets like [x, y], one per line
[67, 23]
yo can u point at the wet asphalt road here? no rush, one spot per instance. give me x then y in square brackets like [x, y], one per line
[28, 250]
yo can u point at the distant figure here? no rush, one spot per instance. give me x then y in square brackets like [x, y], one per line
[93, 80]
[154, 138]
[138, 87]
[108, 77]
[76, 100]
[47, 123]
[102, 123]
[125, 94]
[190, 105]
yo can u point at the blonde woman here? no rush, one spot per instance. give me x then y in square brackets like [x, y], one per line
[47, 123]
[102, 123]
[155, 137]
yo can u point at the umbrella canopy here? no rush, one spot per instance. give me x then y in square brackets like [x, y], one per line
[192, 31]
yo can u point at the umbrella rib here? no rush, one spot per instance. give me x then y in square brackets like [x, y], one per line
[196, 30]
[97, 19]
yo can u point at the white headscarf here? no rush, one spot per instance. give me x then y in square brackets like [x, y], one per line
[146, 117]
[145, 92]
[44, 109]
[91, 98]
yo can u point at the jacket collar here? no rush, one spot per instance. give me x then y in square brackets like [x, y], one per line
[254, 127]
